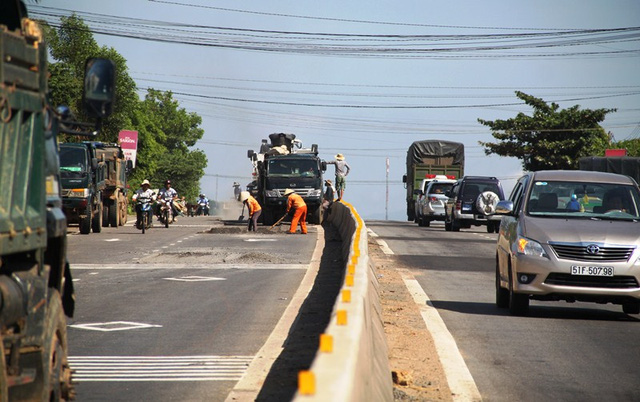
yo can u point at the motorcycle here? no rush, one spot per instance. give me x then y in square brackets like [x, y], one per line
[166, 212]
[203, 208]
[143, 207]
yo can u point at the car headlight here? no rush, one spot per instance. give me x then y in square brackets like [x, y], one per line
[271, 193]
[315, 193]
[530, 247]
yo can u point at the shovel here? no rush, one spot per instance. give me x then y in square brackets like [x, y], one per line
[241, 217]
[278, 221]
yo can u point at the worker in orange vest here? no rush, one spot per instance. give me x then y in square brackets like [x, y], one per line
[254, 209]
[299, 207]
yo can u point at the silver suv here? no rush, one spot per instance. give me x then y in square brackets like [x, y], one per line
[472, 201]
[569, 235]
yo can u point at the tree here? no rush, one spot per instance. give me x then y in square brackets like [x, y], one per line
[551, 138]
[632, 146]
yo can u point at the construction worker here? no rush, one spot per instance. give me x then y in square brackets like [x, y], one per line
[254, 209]
[342, 170]
[295, 202]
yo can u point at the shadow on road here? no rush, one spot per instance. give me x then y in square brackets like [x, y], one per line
[303, 340]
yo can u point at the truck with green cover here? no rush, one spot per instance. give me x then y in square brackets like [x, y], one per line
[36, 288]
[428, 159]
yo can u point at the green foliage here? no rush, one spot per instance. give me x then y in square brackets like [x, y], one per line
[165, 131]
[632, 146]
[551, 138]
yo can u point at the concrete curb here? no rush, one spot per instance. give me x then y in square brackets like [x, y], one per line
[351, 363]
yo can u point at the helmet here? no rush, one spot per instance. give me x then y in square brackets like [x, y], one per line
[145, 181]
[244, 195]
[288, 191]
[167, 182]
[201, 195]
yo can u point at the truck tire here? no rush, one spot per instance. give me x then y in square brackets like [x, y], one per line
[267, 217]
[123, 203]
[85, 223]
[96, 221]
[56, 378]
[411, 214]
[4, 389]
[316, 216]
[114, 212]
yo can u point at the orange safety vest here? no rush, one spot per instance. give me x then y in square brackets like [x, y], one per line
[253, 205]
[295, 201]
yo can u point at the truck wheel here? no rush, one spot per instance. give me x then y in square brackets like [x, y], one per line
[122, 209]
[3, 374]
[114, 210]
[267, 217]
[85, 223]
[105, 214]
[316, 216]
[96, 222]
[56, 374]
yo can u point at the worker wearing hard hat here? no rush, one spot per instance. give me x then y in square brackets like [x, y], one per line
[295, 202]
[254, 209]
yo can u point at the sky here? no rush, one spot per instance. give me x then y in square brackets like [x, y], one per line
[366, 79]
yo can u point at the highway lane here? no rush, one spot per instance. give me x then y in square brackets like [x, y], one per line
[562, 351]
[177, 313]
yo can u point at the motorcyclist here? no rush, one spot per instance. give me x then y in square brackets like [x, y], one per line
[168, 194]
[145, 192]
[203, 205]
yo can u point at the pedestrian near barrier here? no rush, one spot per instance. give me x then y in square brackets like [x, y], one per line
[299, 207]
[342, 171]
[254, 209]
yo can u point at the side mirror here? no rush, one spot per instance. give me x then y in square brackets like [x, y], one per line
[129, 165]
[94, 163]
[417, 192]
[99, 87]
[323, 166]
[504, 207]
[404, 178]
[250, 153]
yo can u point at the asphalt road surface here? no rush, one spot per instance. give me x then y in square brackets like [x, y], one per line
[560, 352]
[177, 314]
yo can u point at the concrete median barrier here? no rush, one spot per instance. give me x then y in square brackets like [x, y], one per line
[351, 363]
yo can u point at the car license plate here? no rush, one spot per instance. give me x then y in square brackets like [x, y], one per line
[591, 271]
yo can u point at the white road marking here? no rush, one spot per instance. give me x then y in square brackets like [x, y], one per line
[111, 239]
[158, 368]
[195, 279]
[383, 244]
[461, 383]
[114, 326]
[186, 266]
[252, 240]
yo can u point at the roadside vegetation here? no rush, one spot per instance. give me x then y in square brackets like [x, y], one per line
[553, 138]
[167, 133]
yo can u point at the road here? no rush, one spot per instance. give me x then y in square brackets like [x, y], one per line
[577, 352]
[177, 313]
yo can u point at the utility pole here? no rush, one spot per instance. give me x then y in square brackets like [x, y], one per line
[386, 204]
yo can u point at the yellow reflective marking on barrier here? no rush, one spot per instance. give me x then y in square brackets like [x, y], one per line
[346, 295]
[348, 280]
[341, 317]
[326, 343]
[351, 269]
[306, 382]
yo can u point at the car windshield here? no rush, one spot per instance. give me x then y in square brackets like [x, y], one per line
[292, 168]
[72, 161]
[588, 200]
[440, 188]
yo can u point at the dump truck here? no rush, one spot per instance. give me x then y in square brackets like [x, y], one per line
[83, 183]
[114, 192]
[428, 159]
[36, 287]
[284, 163]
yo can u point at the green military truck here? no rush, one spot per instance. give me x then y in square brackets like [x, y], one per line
[83, 176]
[36, 288]
[114, 193]
[427, 159]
